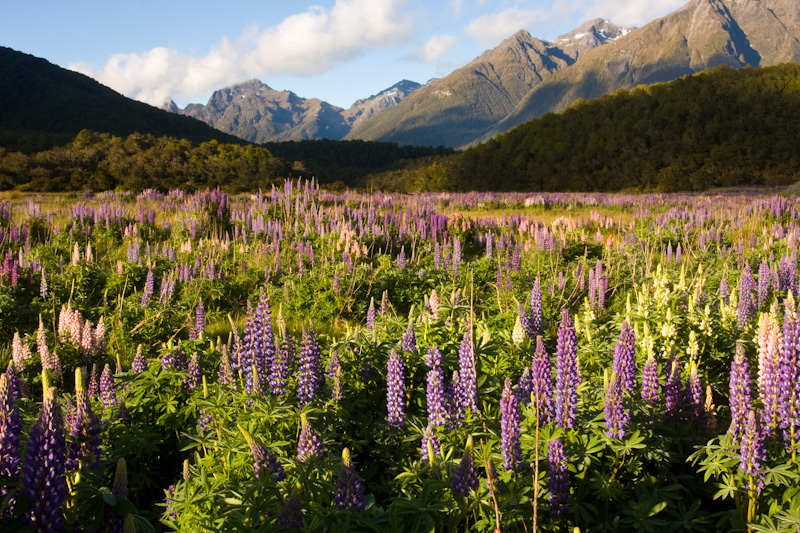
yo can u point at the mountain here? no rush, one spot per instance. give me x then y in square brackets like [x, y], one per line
[361, 110]
[255, 112]
[701, 34]
[721, 127]
[43, 104]
[456, 109]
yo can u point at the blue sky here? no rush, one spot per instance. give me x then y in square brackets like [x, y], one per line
[336, 50]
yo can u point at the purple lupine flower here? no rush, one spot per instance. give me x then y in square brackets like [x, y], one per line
[467, 373]
[371, 315]
[455, 411]
[747, 305]
[291, 514]
[764, 283]
[279, 372]
[349, 487]
[568, 373]
[43, 480]
[625, 357]
[650, 380]
[788, 382]
[147, 291]
[114, 522]
[401, 258]
[752, 452]
[264, 338]
[429, 436]
[558, 482]
[395, 396]
[511, 444]
[309, 445]
[524, 387]
[437, 410]
[94, 383]
[724, 289]
[456, 259]
[10, 429]
[465, 475]
[617, 416]
[139, 363]
[535, 319]
[542, 382]
[437, 255]
[174, 358]
[673, 388]
[83, 450]
[195, 373]
[200, 319]
[409, 342]
[335, 373]
[265, 464]
[108, 391]
[308, 375]
[740, 394]
[693, 394]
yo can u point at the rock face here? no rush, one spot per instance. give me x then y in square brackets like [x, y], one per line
[456, 109]
[255, 112]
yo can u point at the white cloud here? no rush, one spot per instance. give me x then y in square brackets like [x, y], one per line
[433, 50]
[635, 13]
[490, 30]
[303, 44]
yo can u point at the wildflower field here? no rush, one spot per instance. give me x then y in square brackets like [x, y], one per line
[299, 359]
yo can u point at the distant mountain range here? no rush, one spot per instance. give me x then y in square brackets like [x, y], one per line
[524, 77]
[255, 112]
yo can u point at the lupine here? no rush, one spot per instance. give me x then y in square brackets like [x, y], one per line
[437, 412]
[108, 392]
[511, 445]
[568, 374]
[349, 487]
[395, 397]
[139, 363]
[409, 342]
[195, 373]
[625, 357]
[558, 477]
[740, 394]
[84, 451]
[335, 372]
[10, 429]
[694, 393]
[518, 333]
[291, 514]
[309, 445]
[371, 315]
[542, 382]
[747, 305]
[617, 416]
[43, 480]
[308, 376]
[673, 388]
[752, 452]
[200, 318]
[467, 373]
[650, 380]
[147, 291]
[265, 464]
[429, 437]
[535, 319]
[788, 383]
[465, 475]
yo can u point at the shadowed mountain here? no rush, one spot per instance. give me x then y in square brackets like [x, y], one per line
[43, 104]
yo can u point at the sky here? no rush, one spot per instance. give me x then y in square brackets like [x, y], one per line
[335, 50]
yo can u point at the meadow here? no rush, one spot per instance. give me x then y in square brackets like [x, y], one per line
[301, 359]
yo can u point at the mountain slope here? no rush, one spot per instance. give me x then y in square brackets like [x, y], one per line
[453, 110]
[702, 34]
[44, 104]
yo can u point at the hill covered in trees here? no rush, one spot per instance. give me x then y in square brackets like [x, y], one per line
[721, 127]
[44, 105]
